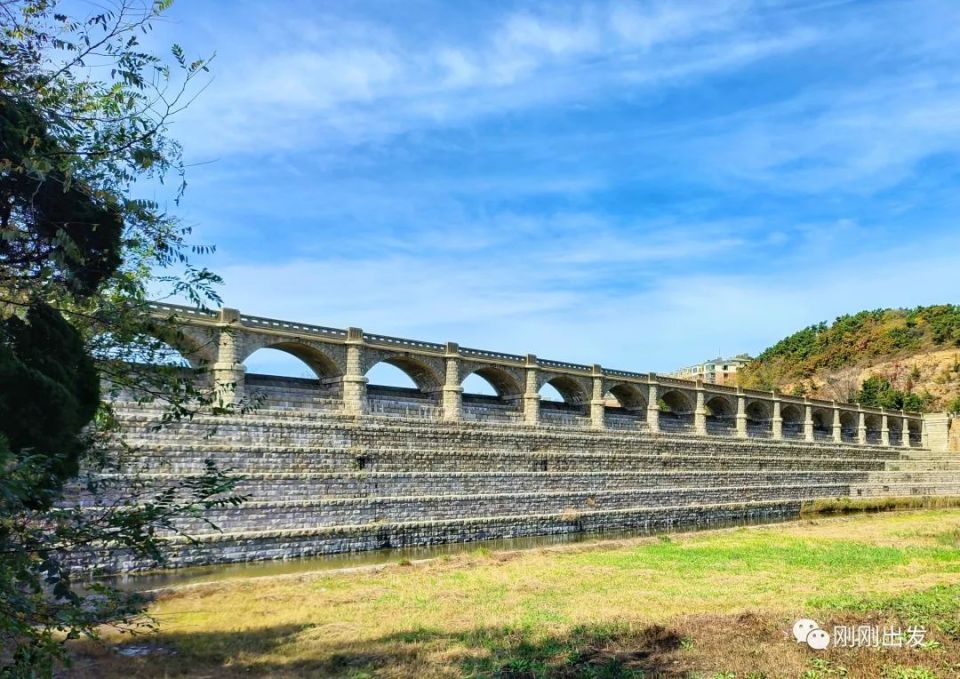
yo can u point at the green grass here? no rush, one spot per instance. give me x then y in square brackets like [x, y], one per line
[847, 505]
[704, 603]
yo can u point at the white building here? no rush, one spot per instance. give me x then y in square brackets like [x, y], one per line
[715, 371]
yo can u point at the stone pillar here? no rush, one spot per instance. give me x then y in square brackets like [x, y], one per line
[905, 432]
[807, 420]
[597, 407]
[741, 414]
[354, 381]
[531, 395]
[884, 429]
[837, 428]
[861, 426]
[228, 372]
[700, 412]
[452, 391]
[653, 405]
[776, 423]
[936, 432]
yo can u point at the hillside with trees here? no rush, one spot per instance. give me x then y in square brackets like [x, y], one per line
[895, 358]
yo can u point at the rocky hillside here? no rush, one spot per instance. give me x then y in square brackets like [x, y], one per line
[889, 357]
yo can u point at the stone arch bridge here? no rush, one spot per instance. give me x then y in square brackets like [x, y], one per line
[593, 396]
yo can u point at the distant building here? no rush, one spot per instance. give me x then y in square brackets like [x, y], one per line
[714, 371]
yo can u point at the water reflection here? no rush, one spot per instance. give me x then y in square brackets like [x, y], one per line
[144, 581]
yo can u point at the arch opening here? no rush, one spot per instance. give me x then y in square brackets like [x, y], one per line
[915, 427]
[822, 424]
[291, 375]
[568, 389]
[759, 419]
[475, 385]
[172, 344]
[849, 422]
[150, 360]
[572, 406]
[720, 416]
[404, 372]
[491, 394]
[493, 381]
[792, 416]
[401, 386]
[676, 411]
[895, 425]
[874, 424]
[550, 393]
[626, 407]
[628, 397]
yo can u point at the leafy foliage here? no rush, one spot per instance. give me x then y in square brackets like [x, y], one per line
[857, 340]
[83, 117]
[877, 392]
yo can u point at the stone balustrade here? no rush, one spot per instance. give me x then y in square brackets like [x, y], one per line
[220, 341]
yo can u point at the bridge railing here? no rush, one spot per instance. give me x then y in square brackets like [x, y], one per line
[403, 342]
[275, 324]
[607, 372]
[180, 310]
[578, 367]
[491, 355]
[207, 317]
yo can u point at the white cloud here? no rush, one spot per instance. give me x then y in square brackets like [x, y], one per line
[371, 83]
[527, 304]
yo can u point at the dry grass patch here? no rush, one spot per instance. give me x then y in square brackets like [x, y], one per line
[629, 608]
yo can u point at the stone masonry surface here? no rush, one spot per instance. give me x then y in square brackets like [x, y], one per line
[323, 482]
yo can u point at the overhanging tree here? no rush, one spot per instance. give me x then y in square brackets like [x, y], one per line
[83, 118]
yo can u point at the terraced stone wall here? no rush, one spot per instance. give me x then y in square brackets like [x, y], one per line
[322, 482]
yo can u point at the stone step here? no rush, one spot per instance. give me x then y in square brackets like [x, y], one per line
[895, 489]
[282, 544]
[141, 413]
[313, 486]
[475, 437]
[920, 466]
[256, 516]
[923, 476]
[171, 446]
[427, 455]
[251, 429]
[258, 460]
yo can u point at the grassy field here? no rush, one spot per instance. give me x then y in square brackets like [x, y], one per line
[711, 604]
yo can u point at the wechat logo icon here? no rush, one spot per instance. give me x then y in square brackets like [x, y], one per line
[806, 630]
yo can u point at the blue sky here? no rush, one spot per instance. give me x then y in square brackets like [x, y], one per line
[637, 184]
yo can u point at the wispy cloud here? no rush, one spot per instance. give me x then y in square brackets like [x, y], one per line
[637, 183]
[352, 83]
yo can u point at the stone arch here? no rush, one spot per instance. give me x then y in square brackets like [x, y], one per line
[326, 362]
[759, 411]
[573, 391]
[792, 416]
[326, 365]
[915, 427]
[895, 425]
[630, 396]
[849, 423]
[719, 406]
[504, 383]
[720, 414]
[197, 346]
[677, 402]
[424, 373]
[874, 424]
[759, 418]
[676, 410]
[185, 352]
[822, 422]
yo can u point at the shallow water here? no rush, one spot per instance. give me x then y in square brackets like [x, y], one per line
[181, 577]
